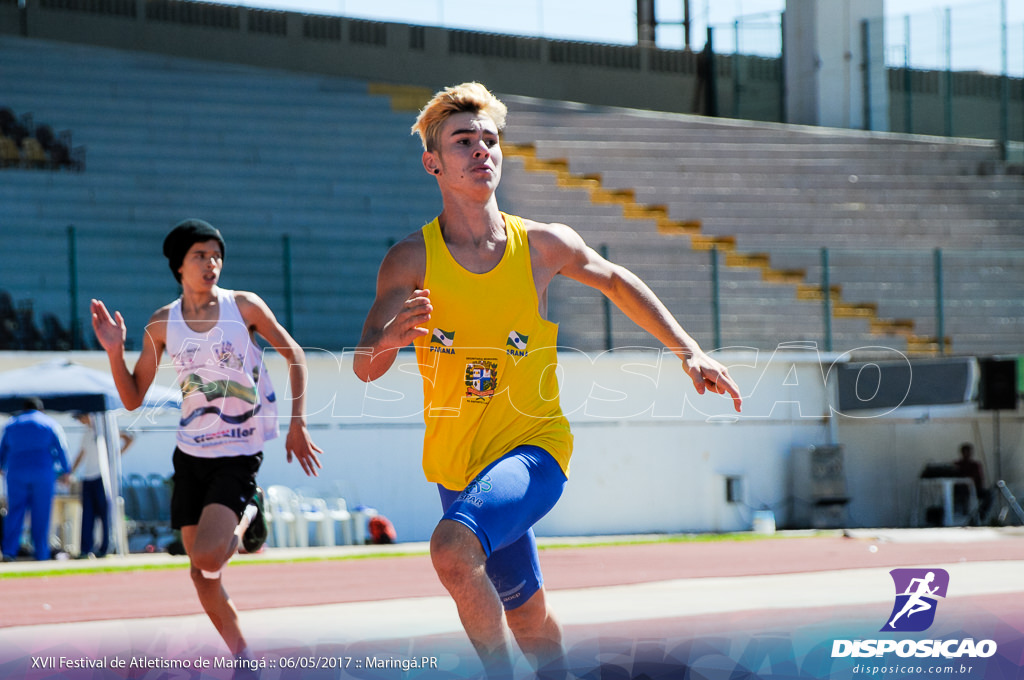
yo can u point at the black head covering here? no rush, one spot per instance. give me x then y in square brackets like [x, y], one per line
[31, 404]
[183, 236]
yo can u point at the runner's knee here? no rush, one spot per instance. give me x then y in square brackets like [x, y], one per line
[205, 560]
[455, 551]
[200, 578]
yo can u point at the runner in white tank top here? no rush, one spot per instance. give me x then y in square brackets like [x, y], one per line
[228, 411]
[228, 404]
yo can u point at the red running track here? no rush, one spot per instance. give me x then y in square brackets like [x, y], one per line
[256, 585]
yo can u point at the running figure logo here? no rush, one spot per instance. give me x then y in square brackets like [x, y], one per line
[916, 593]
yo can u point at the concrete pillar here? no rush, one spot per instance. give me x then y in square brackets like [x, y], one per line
[834, 76]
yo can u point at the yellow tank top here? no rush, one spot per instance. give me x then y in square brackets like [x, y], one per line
[488, 365]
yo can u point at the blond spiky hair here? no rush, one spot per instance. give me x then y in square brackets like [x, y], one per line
[467, 97]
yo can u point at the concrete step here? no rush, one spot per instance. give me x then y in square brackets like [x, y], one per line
[732, 149]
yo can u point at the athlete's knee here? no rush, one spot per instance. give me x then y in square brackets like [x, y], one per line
[203, 579]
[455, 551]
[208, 561]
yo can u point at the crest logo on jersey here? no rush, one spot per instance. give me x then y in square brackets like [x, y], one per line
[481, 379]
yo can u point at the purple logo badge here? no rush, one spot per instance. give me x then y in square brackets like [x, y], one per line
[917, 591]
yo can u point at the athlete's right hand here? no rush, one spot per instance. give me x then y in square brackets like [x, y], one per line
[110, 331]
[407, 324]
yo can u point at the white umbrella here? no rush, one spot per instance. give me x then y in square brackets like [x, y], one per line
[63, 385]
[66, 386]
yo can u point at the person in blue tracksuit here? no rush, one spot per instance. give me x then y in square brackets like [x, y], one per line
[33, 452]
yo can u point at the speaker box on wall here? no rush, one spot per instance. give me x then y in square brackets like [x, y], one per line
[998, 385]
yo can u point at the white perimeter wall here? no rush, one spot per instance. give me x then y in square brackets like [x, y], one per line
[650, 456]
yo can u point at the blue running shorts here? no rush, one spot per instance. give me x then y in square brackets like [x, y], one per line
[501, 506]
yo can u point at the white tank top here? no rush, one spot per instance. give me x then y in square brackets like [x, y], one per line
[228, 406]
[93, 448]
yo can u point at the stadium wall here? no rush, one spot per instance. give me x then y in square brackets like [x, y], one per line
[650, 454]
[747, 87]
[387, 52]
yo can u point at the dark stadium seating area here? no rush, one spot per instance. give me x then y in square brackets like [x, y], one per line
[19, 330]
[26, 145]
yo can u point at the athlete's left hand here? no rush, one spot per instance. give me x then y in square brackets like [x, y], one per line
[709, 375]
[299, 444]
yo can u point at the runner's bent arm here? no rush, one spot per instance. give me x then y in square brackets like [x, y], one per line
[259, 318]
[399, 311]
[565, 252]
[111, 332]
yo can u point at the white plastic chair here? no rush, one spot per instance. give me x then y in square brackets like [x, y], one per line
[341, 519]
[314, 513]
[360, 519]
[281, 512]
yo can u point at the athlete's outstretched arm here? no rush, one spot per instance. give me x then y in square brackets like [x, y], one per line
[298, 442]
[567, 253]
[399, 311]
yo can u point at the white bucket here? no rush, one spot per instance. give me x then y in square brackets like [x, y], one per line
[764, 522]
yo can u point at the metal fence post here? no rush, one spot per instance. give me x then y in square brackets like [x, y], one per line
[711, 86]
[865, 48]
[286, 257]
[1004, 84]
[948, 98]
[826, 290]
[908, 105]
[736, 72]
[716, 303]
[940, 316]
[783, 55]
[607, 307]
[76, 334]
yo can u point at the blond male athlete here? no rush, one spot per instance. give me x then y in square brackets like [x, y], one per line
[228, 411]
[469, 290]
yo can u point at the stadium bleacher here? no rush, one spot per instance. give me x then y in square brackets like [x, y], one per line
[320, 170]
[260, 154]
[773, 196]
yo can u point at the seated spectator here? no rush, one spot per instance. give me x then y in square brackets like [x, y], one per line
[55, 146]
[55, 336]
[7, 121]
[33, 153]
[10, 154]
[44, 133]
[24, 145]
[29, 337]
[12, 127]
[967, 466]
[8, 322]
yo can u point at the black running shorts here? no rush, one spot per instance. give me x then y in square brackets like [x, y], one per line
[199, 482]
